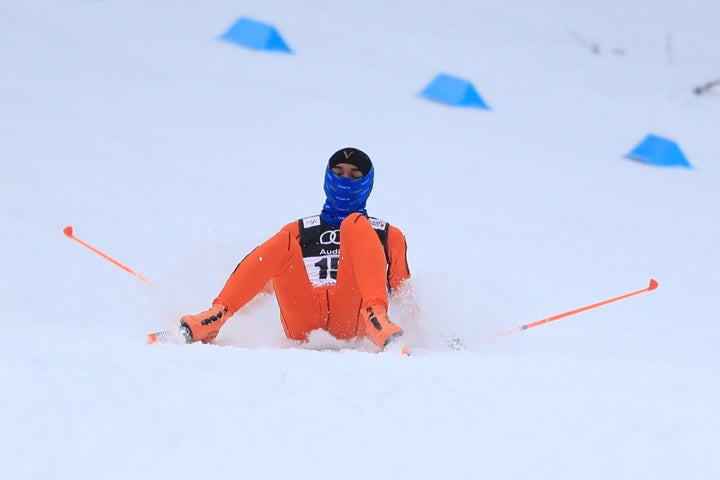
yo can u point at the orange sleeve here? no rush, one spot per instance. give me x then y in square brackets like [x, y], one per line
[397, 254]
[293, 228]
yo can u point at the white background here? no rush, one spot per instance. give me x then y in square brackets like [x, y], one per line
[177, 153]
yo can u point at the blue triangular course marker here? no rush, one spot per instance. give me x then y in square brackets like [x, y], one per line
[659, 151]
[257, 35]
[453, 91]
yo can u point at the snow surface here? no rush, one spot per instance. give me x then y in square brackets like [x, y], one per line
[177, 153]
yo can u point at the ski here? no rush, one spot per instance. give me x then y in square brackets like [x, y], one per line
[177, 337]
[166, 336]
[163, 336]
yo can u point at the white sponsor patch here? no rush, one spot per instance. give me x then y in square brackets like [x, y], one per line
[311, 221]
[378, 224]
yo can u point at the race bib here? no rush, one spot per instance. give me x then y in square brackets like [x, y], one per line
[322, 270]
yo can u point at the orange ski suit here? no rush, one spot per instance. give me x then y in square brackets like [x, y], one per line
[370, 262]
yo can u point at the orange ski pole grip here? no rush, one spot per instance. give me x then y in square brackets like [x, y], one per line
[69, 232]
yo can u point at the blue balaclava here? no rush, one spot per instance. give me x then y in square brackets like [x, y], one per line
[347, 195]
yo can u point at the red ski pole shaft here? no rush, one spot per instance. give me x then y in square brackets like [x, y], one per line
[69, 232]
[652, 286]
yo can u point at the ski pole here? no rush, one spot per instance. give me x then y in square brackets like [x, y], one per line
[69, 232]
[652, 286]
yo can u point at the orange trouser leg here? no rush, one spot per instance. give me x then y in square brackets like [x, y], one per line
[361, 277]
[278, 259]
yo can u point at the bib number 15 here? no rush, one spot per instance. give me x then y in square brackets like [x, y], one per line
[328, 271]
[322, 270]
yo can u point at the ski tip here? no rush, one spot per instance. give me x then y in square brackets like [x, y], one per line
[405, 351]
[653, 284]
[165, 336]
[68, 231]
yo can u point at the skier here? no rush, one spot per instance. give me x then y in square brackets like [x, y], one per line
[319, 282]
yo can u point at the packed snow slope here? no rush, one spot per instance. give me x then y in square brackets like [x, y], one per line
[177, 153]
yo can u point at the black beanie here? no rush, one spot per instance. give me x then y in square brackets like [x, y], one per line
[353, 156]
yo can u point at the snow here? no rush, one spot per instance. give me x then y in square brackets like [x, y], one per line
[176, 153]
